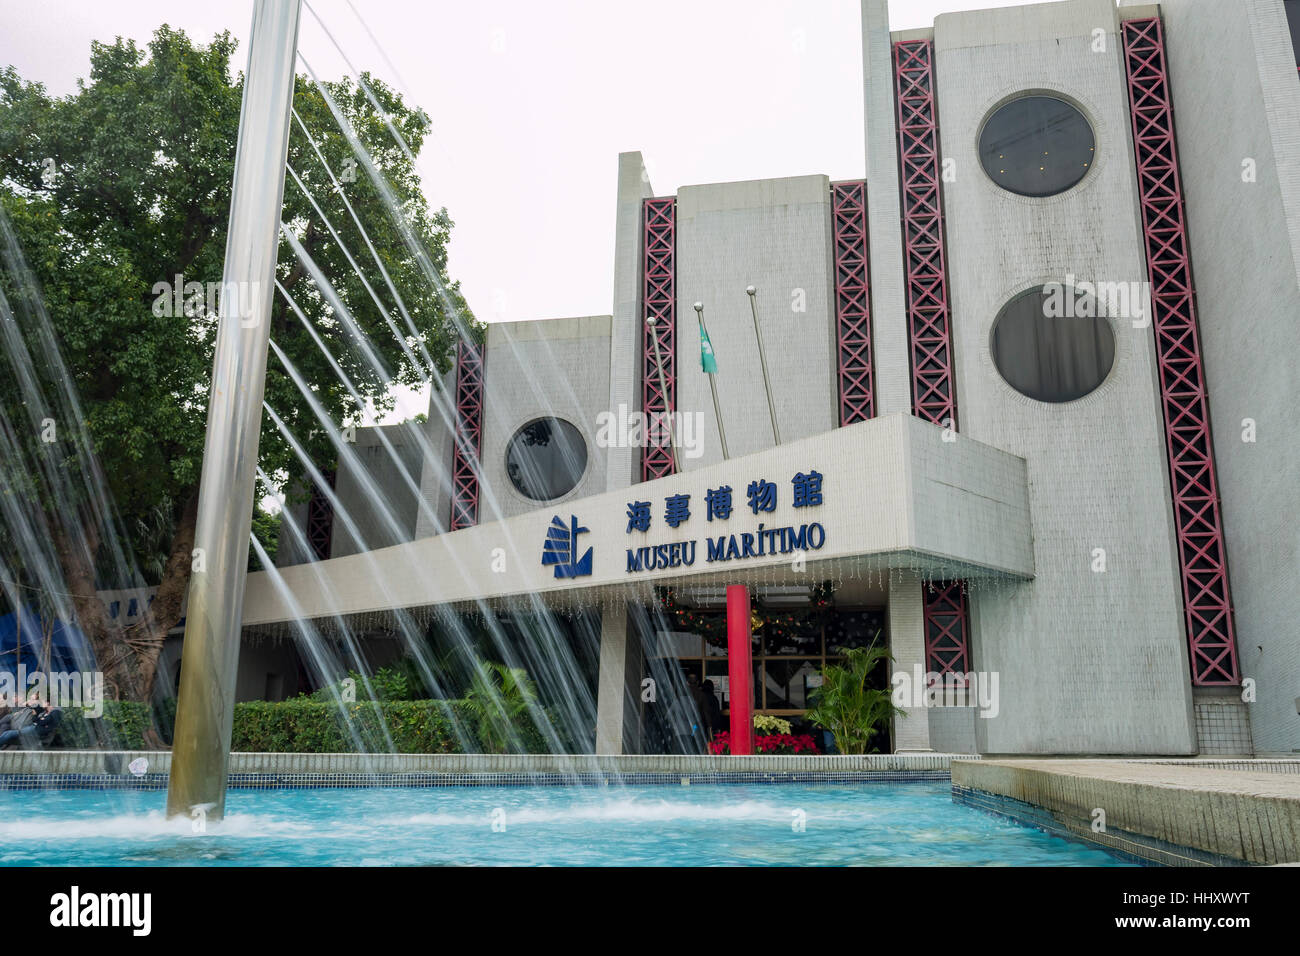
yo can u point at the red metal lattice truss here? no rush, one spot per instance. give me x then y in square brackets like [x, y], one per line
[320, 520]
[658, 301]
[853, 302]
[1206, 599]
[933, 396]
[946, 629]
[469, 437]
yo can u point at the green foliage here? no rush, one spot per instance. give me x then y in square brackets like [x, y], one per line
[848, 706]
[407, 668]
[121, 727]
[266, 528]
[390, 684]
[141, 157]
[386, 683]
[498, 704]
[303, 725]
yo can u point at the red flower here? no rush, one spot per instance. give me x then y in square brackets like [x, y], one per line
[767, 744]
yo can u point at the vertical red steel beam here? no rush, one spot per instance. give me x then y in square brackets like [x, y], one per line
[933, 395]
[658, 302]
[468, 437]
[852, 302]
[947, 646]
[929, 323]
[739, 669]
[1207, 602]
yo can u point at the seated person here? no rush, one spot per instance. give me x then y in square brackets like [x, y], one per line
[7, 714]
[30, 724]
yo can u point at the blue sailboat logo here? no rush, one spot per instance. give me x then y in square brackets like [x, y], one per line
[561, 549]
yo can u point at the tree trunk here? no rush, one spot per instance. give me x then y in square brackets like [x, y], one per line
[165, 609]
[103, 632]
[128, 655]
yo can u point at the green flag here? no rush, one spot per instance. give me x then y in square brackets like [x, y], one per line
[707, 361]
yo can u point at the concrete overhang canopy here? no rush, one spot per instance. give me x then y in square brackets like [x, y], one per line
[896, 492]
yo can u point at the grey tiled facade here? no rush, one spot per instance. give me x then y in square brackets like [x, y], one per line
[1090, 661]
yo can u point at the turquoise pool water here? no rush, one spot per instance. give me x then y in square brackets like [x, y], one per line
[863, 824]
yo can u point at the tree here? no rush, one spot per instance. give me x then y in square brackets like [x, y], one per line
[266, 528]
[115, 191]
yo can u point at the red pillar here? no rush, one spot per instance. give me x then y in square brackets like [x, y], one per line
[739, 670]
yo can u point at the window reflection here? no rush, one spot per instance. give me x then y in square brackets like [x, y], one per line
[1048, 357]
[1037, 146]
[546, 459]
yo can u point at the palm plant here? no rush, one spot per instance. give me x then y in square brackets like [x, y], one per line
[847, 706]
[497, 703]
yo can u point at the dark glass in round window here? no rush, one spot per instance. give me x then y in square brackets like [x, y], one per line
[1037, 146]
[546, 458]
[1051, 346]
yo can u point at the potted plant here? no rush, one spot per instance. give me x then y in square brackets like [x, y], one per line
[846, 704]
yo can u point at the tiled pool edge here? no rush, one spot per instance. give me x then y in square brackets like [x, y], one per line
[102, 770]
[1131, 847]
[331, 781]
[1181, 814]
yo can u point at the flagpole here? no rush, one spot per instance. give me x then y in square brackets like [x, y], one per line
[663, 389]
[762, 358]
[713, 386]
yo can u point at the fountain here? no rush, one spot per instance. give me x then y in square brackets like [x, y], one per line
[205, 708]
[199, 770]
[398, 821]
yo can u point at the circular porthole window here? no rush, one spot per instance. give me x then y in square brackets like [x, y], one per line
[1037, 146]
[546, 459]
[1051, 346]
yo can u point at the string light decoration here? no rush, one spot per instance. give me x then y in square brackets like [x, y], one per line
[776, 626]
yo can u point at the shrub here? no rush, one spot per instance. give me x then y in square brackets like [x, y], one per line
[387, 683]
[306, 725]
[121, 727]
[303, 725]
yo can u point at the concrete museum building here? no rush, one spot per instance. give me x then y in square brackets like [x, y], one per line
[1030, 383]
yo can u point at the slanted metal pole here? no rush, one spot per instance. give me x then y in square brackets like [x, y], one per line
[762, 358]
[210, 656]
[663, 388]
[713, 387]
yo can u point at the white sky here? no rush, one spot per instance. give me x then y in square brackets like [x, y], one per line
[532, 102]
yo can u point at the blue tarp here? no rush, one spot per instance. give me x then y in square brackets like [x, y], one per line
[69, 649]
